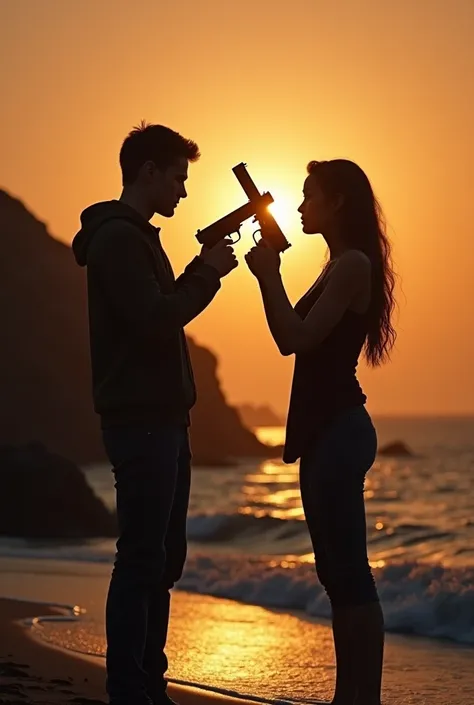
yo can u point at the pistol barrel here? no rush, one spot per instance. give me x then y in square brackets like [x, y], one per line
[231, 222]
[257, 206]
[245, 180]
[269, 228]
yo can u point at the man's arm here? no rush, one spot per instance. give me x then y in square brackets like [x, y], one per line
[123, 264]
[193, 265]
[189, 269]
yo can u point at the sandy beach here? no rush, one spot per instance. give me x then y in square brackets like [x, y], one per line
[243, 651]
[31, 672]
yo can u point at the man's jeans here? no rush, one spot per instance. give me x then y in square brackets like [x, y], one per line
[152, 468]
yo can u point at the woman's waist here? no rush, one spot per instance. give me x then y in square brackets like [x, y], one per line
[321, 386]
[323, 399]
[306, 425]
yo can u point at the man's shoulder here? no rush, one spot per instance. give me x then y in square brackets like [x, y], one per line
[119, 226]
[118, 232]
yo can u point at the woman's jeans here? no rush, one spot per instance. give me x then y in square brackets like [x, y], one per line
[332, 475]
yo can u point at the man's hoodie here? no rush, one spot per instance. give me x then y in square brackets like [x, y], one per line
[141, 372]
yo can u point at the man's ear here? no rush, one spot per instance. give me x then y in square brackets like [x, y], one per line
[149, 168]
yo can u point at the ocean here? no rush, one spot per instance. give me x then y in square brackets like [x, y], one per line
[248, 541]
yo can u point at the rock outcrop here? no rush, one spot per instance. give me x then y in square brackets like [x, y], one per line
[45, 383]
[396, 449]
[45, 496]
[253, 415]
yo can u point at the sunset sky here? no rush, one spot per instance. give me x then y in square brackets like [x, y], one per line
[387, 83]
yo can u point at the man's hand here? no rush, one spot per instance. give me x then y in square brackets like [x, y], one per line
[221, 257]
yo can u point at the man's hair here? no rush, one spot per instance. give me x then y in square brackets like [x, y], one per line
[155, 143]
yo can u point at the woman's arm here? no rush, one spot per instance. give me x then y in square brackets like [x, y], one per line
[350, 276]
[283, 322]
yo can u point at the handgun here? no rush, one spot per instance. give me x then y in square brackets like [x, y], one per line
[257, 206]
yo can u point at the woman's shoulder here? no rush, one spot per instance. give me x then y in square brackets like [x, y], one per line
[355, 258]
[352, 269]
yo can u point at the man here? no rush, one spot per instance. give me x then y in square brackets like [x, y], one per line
[143, 390]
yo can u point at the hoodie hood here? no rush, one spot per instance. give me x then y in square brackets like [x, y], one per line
[93, 217]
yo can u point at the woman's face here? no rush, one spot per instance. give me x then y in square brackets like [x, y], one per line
[317, 211]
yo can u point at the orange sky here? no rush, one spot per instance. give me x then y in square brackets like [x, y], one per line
[275, 84]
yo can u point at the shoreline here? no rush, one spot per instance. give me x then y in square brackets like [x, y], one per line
[35, 671]
[221, 652]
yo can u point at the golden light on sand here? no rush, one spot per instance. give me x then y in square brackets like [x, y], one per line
[229, 644]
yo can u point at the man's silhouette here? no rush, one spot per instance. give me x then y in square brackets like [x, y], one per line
[143, 390]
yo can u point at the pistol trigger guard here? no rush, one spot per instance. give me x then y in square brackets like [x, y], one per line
[234, 242]
[253, 235]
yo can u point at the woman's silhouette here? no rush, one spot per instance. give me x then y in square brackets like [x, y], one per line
[348, 309]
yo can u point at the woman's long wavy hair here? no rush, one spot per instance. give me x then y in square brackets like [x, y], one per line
[363, 228]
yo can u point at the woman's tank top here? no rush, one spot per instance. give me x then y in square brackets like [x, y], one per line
[324, 378]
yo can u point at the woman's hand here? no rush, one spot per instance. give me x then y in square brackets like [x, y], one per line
[263, 261]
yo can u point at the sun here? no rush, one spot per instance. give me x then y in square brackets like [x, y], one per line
[284, 211]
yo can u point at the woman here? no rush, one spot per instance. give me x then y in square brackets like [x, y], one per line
[348, 309]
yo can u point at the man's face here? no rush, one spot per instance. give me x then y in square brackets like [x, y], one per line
[166, 187]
